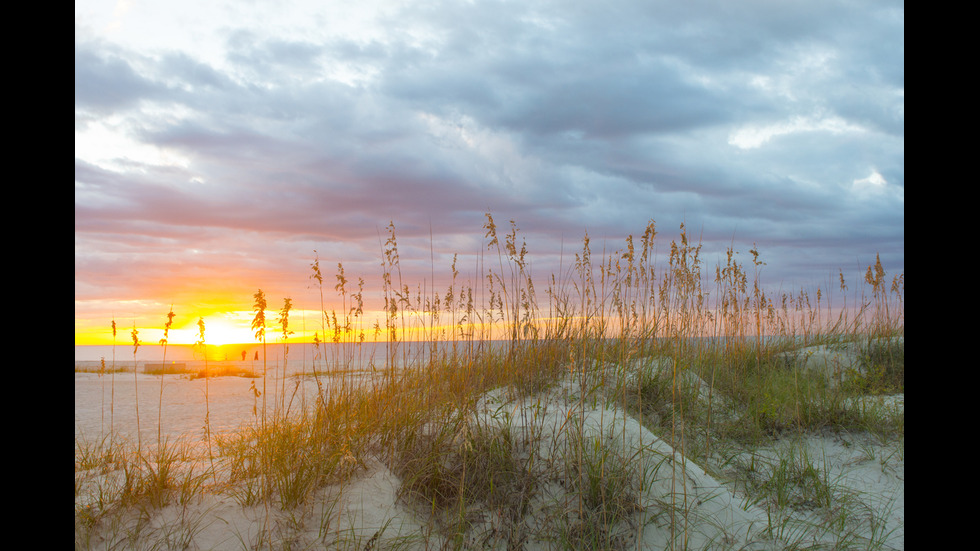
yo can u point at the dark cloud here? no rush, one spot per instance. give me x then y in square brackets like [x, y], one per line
[754, 120]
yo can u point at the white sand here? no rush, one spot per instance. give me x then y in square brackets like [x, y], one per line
[867, 477]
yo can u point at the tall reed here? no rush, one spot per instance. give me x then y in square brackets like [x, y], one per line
[102, 379]
[283, 321]
[112, 385]
[318, 277]
[163, 343]
[207, 393]
[136, 345]
[258, 325]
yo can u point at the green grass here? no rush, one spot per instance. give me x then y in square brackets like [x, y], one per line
[465, 432]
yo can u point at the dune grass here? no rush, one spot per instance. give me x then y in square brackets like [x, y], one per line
[625, 332]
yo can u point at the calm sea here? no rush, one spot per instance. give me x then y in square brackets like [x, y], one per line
[300, 356]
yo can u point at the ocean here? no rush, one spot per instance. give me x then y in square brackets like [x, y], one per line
[301, 358]
[128, 403]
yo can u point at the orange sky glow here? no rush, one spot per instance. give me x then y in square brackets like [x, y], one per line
[221, 328]
[229, 152]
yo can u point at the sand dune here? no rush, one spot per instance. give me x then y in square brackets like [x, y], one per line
[677, 503]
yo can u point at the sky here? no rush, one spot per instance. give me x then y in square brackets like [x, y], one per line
[222, 147]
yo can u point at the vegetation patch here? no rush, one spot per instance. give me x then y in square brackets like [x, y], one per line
[486, 441]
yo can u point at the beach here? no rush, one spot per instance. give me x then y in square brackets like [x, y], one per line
[717, 501]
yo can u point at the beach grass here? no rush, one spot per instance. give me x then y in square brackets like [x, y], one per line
[470, 435]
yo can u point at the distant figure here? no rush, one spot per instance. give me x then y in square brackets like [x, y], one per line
[243, 355]
[256, 358]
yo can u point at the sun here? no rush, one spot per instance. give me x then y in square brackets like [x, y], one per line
[219, 330]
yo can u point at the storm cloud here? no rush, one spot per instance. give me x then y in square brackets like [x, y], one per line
[232, 142]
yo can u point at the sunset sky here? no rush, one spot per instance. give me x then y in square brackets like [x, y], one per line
[219, 144]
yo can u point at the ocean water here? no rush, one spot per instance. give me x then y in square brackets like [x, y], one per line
[131, 404]
[300, 357]
[179, 403]
[136, 405]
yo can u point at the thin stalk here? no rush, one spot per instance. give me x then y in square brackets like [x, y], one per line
[163, 341]
[112, 391]
[284, 323]
[136, 345]
[258, 325]
[207, 395]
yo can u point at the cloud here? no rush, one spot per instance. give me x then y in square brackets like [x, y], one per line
[755, 136]
[272, 132]
[106, 82]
